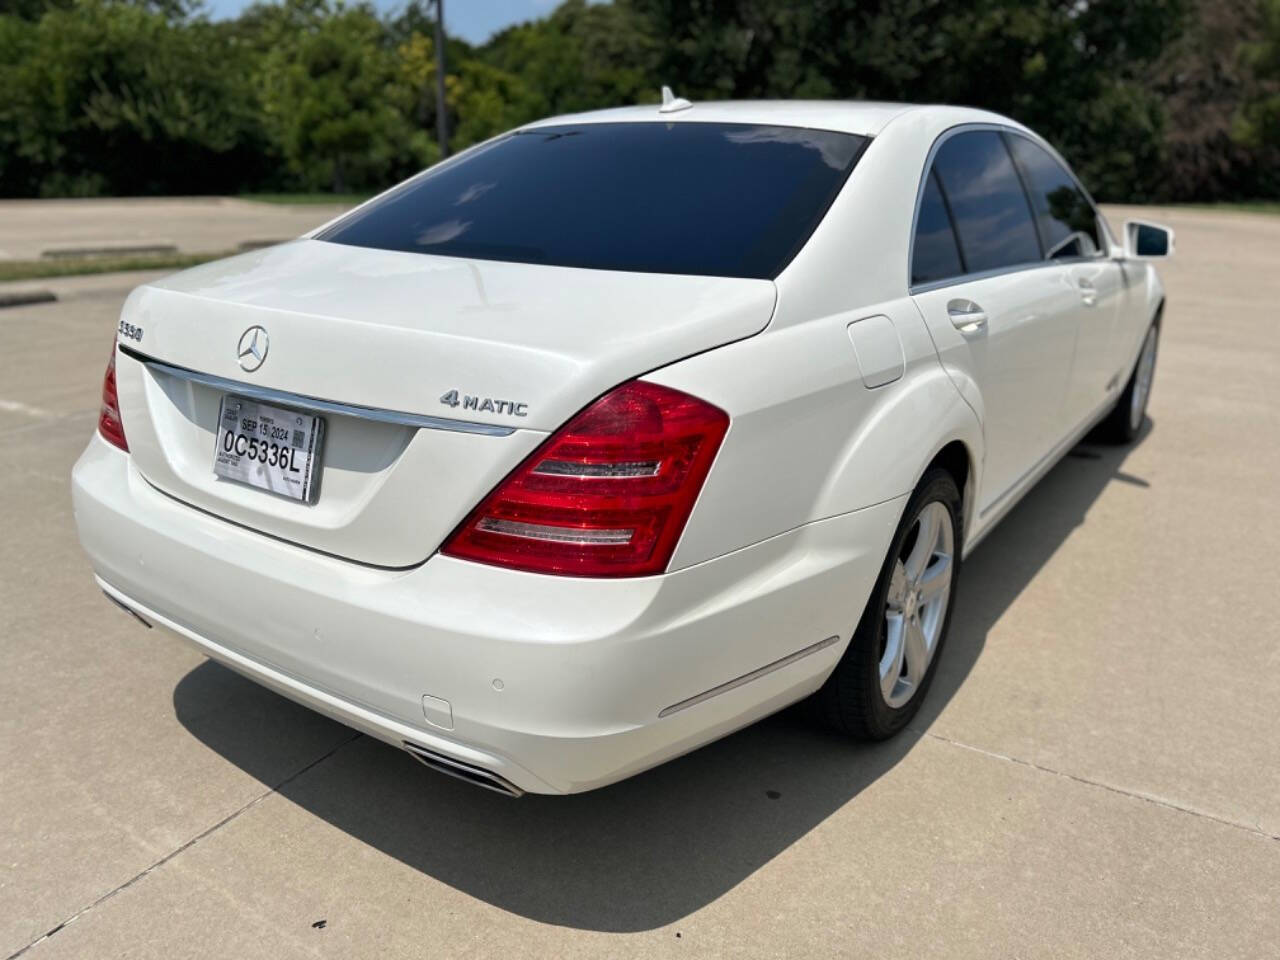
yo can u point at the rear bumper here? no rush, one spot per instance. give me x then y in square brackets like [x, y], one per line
[553, 684]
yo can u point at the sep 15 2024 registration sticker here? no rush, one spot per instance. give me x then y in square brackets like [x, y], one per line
[270, 448]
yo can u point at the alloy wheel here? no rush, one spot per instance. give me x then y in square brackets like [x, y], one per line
[916, 604]
[1142, 380]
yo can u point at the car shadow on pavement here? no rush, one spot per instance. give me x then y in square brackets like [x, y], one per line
[650, 850]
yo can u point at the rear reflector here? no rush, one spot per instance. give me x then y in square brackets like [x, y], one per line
[607, 495]
[109, 424]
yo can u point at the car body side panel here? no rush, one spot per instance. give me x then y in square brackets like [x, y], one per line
[808, 439]
[805, 429]
[1142, 297]
[1097, 321]
[858, 254]
[1020, 363]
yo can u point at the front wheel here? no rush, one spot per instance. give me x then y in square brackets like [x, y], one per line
[1124, 423]
[879, 683]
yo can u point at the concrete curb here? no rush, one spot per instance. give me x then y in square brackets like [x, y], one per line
[21, 298]
[133, 250]
[244, 246]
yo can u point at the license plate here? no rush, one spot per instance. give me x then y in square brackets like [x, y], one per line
[270, 448]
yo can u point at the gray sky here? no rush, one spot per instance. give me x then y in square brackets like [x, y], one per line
[472, 20]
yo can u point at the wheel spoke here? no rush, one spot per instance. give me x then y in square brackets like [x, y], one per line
[937, 578]
[897, 594]
[926, 539]
[891, 662]
[916, 650]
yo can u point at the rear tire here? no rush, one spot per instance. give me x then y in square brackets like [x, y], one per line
[885, 672]
[1124, 422]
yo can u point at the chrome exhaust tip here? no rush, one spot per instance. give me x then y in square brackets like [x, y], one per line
[459, 770]
[128, 609]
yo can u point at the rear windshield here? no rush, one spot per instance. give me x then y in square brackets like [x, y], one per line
[716, 199]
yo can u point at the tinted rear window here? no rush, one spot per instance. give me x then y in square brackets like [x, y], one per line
[731, 200]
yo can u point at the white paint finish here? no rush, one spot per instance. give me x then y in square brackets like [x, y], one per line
[780, 551]
[861, 117]
[1015, 370]
[807, 435]
[878, 350]
[398, 331]
[1102, 303]
[857, 256]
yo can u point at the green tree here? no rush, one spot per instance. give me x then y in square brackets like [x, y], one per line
[29, 9]
[1203, 78]
[1257, 123]
[114, 96]
[1150, 99]
[581, 57]
[1074, 71]
[330, 95]
[486, 101]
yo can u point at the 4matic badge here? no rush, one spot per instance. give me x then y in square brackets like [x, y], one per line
[485, 404]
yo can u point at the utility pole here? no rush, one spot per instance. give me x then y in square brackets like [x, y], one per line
[442, 131]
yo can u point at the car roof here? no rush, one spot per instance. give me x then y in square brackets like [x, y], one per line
[864, 117]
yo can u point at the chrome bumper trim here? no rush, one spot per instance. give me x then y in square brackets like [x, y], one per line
[748, 677]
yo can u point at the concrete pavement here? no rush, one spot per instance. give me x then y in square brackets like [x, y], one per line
[1095, 773]
[30, 228]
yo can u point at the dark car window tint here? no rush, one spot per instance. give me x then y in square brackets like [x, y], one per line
[935, 255]
[733, 200]
[990, 208]
[1068, 224]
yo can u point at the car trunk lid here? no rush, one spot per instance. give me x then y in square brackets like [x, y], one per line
[495, 355]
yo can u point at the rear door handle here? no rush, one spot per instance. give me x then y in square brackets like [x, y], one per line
[1088, 292]
[966, 316]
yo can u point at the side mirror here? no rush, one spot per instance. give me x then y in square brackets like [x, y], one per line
[1147, 241]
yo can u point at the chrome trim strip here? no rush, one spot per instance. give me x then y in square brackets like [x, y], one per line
[315, 404]
[1045, 463]
[545, 533]
[748, 677]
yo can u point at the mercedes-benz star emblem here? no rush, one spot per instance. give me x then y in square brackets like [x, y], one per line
[252, 350]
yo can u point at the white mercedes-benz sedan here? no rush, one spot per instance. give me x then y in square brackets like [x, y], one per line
[619, 431]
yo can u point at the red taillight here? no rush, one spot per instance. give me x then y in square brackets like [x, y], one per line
[607, 495]
[109, 424]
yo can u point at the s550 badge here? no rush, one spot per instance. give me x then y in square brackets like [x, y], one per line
[485, 404]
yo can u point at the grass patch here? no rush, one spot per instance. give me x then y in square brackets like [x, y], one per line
[1243, 206]
[349, 199]
[39, 269]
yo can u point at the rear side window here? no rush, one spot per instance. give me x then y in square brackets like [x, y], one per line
[992, 218]
[732, 200]
[935, 253]
[1066, 219]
